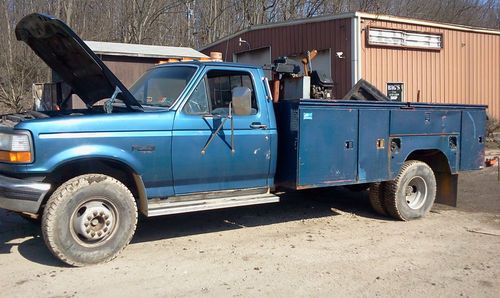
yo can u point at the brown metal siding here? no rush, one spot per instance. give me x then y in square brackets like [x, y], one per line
[295, 39]
[128, 69]
[466, 70]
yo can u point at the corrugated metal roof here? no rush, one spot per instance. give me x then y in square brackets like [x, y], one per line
[140, 50]
[360, 15]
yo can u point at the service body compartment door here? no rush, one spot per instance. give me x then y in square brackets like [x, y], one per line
[328, 144]
[374, 144]
[472, 141]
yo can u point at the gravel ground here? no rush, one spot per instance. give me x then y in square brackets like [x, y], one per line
[314, 243]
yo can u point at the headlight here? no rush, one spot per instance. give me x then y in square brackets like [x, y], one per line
[15, 148]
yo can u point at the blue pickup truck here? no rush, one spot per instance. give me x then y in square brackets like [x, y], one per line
[195, 136]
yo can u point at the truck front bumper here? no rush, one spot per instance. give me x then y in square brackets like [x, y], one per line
[21, 195]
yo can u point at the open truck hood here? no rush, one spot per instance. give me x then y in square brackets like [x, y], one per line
[64, 52]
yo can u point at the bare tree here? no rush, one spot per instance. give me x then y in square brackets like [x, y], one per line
[191, 23]
[19, 67]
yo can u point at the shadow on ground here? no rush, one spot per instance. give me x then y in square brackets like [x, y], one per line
[26, 237]
[16, 232]
[293, 206]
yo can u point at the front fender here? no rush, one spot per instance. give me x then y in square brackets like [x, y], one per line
[147, 153]
[89, 151]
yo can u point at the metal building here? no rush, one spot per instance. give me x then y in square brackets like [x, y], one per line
[435, 62]
[129, 61]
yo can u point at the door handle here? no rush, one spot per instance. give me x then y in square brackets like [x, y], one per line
[257, 125]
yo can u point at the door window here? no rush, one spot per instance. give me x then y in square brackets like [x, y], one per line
[216, 98]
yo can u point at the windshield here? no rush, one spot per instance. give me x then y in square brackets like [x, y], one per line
[162, 86]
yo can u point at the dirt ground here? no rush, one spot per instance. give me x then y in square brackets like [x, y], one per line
[316, 243]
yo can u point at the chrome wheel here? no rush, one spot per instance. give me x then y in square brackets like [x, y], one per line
[416, 192]
[93, 222]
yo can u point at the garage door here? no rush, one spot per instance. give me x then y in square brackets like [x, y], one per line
[259, 57]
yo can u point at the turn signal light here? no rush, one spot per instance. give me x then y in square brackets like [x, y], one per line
[15, 156]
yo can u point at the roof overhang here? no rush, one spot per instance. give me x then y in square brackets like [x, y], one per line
[143, 51]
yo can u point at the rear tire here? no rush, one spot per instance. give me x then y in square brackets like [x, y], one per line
[376, 195]
[412, 194]
[89, 220]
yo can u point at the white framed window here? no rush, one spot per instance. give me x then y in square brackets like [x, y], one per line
[400, 38]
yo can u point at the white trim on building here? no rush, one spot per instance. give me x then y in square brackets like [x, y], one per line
[356, 50]
[140, 50]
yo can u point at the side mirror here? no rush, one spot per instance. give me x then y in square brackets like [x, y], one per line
[242, 101]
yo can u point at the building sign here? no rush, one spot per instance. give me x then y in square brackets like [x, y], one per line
[395, 91]
[399, 38]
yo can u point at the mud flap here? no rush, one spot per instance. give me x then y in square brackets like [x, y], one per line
[447, 188]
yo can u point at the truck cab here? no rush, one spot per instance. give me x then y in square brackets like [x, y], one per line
[239, 155]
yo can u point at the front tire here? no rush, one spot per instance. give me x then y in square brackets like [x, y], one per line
[89, 220]
[412, 194]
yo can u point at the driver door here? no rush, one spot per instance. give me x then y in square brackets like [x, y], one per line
[203, 166]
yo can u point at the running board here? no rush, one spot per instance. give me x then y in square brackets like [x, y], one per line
[164, 208]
